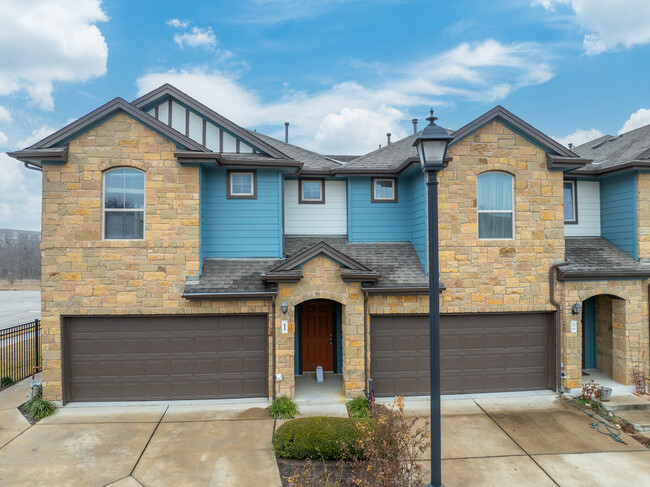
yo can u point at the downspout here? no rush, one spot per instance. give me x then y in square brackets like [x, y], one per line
[273, 347]
[558, 326]
[32, 166]
[365, 341]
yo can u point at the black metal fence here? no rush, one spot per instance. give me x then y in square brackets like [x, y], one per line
[20, 350]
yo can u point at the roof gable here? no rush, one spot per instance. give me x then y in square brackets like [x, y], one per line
[63, 136]
[165, 93]
[518, 126]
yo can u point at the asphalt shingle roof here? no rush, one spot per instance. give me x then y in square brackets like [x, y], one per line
[311, 160]
[597, 256]
[387, 157]
[609, 151]
[396, 262]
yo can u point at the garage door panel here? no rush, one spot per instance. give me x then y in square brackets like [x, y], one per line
[479, 353]
[164, 357]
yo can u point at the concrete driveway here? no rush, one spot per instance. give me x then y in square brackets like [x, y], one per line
[150, 445]
[532, 440]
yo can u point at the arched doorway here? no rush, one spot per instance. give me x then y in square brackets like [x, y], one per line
[599, 315]
[318, 342]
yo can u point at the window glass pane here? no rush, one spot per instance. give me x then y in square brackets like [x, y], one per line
[311, 190]
[133, 224]
[124, 188]
[568, 202]
[241, 183]
[494, 191]
[495, 225]
[384, 189]
[124, 224]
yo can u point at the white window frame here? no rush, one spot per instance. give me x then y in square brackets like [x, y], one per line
[512, 180]
[252, 195]
[104, 209]
[376, 199]
[574, 196]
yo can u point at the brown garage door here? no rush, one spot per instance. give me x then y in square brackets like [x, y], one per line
[165, 357]
[479, 353]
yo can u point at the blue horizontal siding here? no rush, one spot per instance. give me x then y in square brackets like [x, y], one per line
[378, 222]
[419, 216]
[618, 212]
[235, 228]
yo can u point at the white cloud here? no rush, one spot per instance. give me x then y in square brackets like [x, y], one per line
[42, 42]
[178, 23]
[20, 195]
[484, 72]
[608, 24]
[36, 135]
[5, 115]
[3, 139]
[638, 119]
[579, 137]
[197, 37]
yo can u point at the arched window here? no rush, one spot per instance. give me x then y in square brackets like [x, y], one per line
[124, 204]
[495, 205]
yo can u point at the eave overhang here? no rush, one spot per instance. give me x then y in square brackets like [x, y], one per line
[37, 157]
[220, 159]
[399, 290]
[562, 163]
[627, 166]
[225, 295]
[597, 275]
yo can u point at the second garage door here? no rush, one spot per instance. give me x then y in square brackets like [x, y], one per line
[479, 353]
[165, 357]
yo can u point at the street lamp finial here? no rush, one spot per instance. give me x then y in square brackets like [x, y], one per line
[432, 119]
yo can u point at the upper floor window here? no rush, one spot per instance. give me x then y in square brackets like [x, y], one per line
[242, 185]
[311, 191]
[570, 202]
[495, 205]
[124, 204]
[384, 190]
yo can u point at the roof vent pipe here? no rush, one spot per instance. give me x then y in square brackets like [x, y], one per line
[388, 138]
[570, 145]
[286, 132]
[415, 125]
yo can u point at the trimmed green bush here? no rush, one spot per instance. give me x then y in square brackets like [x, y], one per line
[319, 438]
[359, 407]
[283, 408]
[6, 381]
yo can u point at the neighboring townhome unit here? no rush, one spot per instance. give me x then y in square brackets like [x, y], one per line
[185, 257]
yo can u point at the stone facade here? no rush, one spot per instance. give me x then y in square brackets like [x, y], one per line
[624, 305]
[643, 215]
[85, 275]
[499, 275]
[322, 280]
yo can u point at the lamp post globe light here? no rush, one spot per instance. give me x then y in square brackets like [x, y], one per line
[432, 147]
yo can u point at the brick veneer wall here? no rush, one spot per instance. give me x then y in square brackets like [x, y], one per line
[85, 275]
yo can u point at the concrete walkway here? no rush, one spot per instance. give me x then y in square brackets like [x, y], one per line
[517, 441]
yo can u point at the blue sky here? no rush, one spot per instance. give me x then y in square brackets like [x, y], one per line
[343, 72]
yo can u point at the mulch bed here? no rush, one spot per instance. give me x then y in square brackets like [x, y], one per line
[31, 420]
[344, 473]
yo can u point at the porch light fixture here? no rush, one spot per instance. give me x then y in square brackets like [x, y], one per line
[432, 147]
[576, 308]
[284, 307]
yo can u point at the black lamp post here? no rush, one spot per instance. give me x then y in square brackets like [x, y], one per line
[432, 147]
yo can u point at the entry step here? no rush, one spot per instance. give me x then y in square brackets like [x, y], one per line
[626, 402]
[639, 418]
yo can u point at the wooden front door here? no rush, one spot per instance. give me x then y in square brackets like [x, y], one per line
[317, 335]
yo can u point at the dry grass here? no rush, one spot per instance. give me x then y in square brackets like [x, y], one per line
[26, 285]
